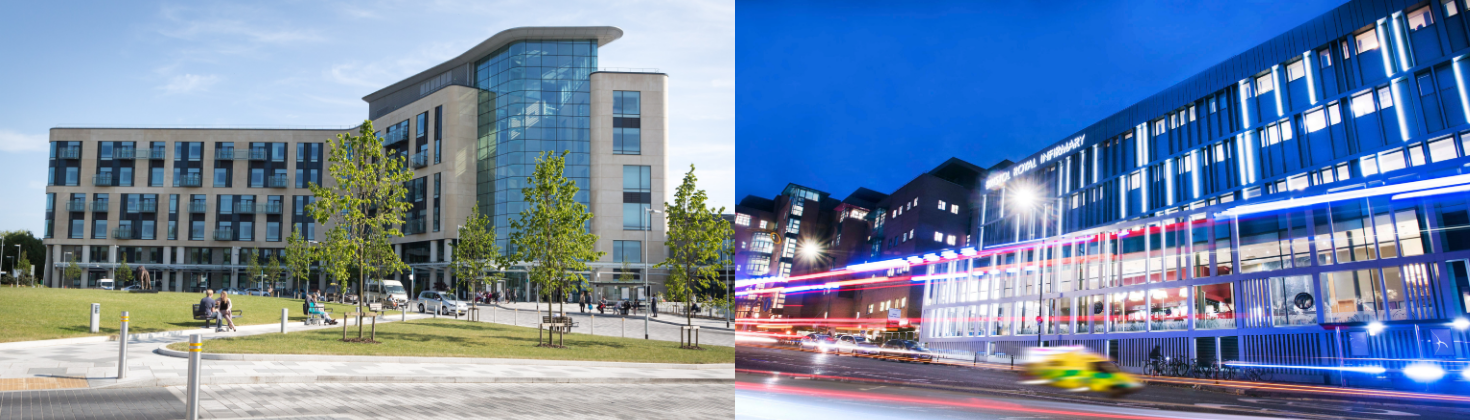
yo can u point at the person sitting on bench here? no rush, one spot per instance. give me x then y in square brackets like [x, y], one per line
[208, 307]
[316, 308]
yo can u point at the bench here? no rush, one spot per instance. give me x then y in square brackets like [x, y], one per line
[199, 315]
[564, 323]
[373, 310]
[316, 318]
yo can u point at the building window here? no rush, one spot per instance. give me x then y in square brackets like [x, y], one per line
[627, 124]
[938, 237]
[1450, 8]
[954, 208]
[1296, 70]
[99, 229]
[1419, 19]
[744, 219]
[941, 205]
[949, 240]
[1367, 41]
[628, 251]
[438, 131]
[637, 197]
[1265, 84]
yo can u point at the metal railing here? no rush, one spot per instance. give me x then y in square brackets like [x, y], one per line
[196, 207]
[277, 181]
[99, 205]
[270, 208]
[76, 205]
[69, 153]
[103, 180]
[145, 206]
[156, 153]
[224, 234]
[230, 154]
[247, 207]
[419, 160]
[258, 154]
[124, 153]
[123, 233]
[189, 180]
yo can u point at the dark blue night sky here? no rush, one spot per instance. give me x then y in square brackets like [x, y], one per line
[838, 96]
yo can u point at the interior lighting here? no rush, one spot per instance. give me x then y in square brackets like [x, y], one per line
[1375, 327]
[1460, 324]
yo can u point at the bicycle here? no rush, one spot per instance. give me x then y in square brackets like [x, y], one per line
[1258, 375]
[1155, 367]
[1178, 367]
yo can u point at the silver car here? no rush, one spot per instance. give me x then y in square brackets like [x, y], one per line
[440, 302]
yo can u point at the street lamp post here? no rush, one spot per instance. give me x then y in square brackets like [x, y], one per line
[646, 268]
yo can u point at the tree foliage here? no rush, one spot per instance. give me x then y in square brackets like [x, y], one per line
[298, 259]
[698, 243]
[551, 236]
[124, 273]
[364, 205]
[71, 271]
[476, 256]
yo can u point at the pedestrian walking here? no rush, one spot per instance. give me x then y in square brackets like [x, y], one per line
[656, 297]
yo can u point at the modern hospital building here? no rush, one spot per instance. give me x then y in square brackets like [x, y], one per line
[193, 205]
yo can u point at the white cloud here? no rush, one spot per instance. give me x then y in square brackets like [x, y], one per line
[186, 24]
[378, 74]
[189, 83]
[11, 141]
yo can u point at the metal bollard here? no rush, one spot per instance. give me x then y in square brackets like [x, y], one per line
[592, 324]
[96, 313]
[283, 320]
[122, 348]
[403, 310]
[623, 329]
[517, 320]
[191, 402]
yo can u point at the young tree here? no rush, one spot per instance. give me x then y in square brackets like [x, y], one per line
[273, 271]
[72, 271]
[551, 236]
[124, 274]
[476, 257]
[23, 267]
[253, 268]
[698, 243]
[298, 259]
[366, 204]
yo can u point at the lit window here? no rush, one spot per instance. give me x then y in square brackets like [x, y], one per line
[1159, 127]
[1391, 161]
[1296, 70]
[954, 208]
[1191, 113]
[1212, 105]
[1265, 84]
[1385, 98]
[1286, 130]
[1369, 166]
[1326, 59]
[941, 204]
[1363, 104]
[949, 240]
[1450, 9]
[1367, 40]
[742, 219]
[938, 237]
[1334, 115]
[1298, 182]
[1442, 149]
[763, 224]
[1315, 121]
[1419, 19]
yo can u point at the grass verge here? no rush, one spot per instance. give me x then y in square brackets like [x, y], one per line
[451, 338]
[28, 314]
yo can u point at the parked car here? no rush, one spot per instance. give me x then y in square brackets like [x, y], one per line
[906, 350]
[849, 343]
[255, 292]
[818, 342]
[440, 302]
[131, 288]
[104, 284]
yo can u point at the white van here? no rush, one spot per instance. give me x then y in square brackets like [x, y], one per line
[104, 284]
[380, 290]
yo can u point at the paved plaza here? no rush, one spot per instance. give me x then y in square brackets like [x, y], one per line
[388, 401]
[665, 327]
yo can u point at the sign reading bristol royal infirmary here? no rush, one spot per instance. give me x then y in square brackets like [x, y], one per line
[999, 179]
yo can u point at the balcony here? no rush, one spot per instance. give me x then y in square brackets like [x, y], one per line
[224, 234]
[143, 207]
[270, 208]
[99, 205]
[419, 160]
[414, 226]
[69, 153]
[278, 181]
[190, 180]
[229, 154]
[124, 153]
[245, 208]
[259, 154]
[103, 180]
[124, 233]
[196, 207]
[76, 205]
[156, 153]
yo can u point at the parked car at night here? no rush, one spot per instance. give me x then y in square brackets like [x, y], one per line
[818, 343]
[906, 350]
[849, 344]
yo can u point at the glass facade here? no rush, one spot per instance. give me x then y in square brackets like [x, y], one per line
[535, 96]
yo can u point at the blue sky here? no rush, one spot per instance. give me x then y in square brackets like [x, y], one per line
[295, 63]
[838, 96]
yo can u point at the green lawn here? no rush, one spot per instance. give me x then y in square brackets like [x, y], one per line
[452, 338]
[41, 314]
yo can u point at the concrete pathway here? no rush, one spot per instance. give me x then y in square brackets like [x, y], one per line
[666, 327]
[67, 365]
